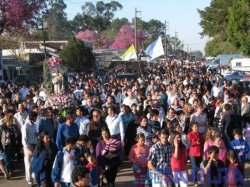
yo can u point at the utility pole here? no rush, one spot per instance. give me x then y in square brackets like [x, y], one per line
[166, 42]
[138, 58]
[175, 42]
[187, 50]
[136, 12]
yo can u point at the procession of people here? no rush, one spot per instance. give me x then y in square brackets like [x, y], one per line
[174, 113]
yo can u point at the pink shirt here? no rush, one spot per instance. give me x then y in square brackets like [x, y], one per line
[139, 154]
[208, 143]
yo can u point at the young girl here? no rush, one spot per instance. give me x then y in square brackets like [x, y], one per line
[138, 156]
[218, 142]
[184, 140]
[179, 160]
[235, 176]
[208, 140]
[195, 151]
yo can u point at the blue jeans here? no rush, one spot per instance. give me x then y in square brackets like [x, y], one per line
[195, 164]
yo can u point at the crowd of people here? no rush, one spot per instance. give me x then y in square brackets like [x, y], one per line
[174, 113]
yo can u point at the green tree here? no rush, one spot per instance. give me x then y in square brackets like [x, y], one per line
[218, 46]
[76, 55]
[58, 26]
[239, 25]
[97, 16]
[214, 18]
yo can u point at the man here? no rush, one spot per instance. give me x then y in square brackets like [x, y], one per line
[66, 130]
[44, 123]
[130, 99]
[159, 161]
[21, 116]
[80, 176]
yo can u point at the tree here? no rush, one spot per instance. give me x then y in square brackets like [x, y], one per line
[58, 26]
[214, 18]
[99, 16]
[88, 35]
[239, 25]
[76, 55]
[218, 46]
[19, 14]
[126, 37]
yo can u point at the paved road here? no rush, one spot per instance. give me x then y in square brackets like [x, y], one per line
[124, 179]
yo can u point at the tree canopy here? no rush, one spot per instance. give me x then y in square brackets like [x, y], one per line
[19, 14]
[227, 22]
[77, 56]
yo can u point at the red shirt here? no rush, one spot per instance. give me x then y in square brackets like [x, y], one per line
[195, 149]
[180, 163]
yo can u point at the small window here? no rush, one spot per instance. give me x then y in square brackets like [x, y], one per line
[238, 63]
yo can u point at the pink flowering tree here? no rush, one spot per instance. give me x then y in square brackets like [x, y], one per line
[126, 37]
[17, 14]
[88, 35]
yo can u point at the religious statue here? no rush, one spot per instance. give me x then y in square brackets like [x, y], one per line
[57, 81]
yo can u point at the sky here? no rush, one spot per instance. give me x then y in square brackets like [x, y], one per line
[181, 15]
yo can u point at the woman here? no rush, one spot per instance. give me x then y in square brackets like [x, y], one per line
[200, 118]
[10, 137]
[108, 161]
[145, 129]
[45, 151]
[218, 142]
[138, 156]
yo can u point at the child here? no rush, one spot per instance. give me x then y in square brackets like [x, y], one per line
[184, 140]
[138, 156]
[214, 168]
[195, 150]
[240, 147]
[179, 160]
[235, 171]
[153, 121]
[64, 164]
[112, 147]
[94, 175]
[82, 149]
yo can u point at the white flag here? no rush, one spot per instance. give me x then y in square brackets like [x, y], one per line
[155, 49]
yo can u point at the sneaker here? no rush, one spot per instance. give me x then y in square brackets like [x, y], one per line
[30, 183]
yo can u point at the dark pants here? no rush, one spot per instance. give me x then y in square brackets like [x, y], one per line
[195, 164]
[46, 183]
[64, 184]
[10, 154]
[110, 174]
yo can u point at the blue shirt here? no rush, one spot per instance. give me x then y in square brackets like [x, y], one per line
[240, 146]
[65, 131]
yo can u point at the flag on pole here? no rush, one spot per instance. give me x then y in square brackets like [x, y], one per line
[155, 49]
[130, 54]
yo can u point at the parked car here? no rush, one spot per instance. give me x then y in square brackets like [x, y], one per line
[128, 76]
[27, 78]
[235, 75]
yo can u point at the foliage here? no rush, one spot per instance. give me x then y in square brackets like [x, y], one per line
[47, 82]
[239, 25]
[214, 19]
[77, 56]
[96, 17]
[88, 35]
[126, 37]
[19, 14]
[218, 46]
[58, 26]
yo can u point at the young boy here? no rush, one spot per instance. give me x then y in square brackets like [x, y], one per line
[240, 147]
[214, 168]
[82, 148]
[94, 175]
[64, 164]
[153, 121]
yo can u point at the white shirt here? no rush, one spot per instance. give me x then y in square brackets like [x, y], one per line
[67, 166]
[21, 118]
[83, 126]
[129, 101]
[115, 126]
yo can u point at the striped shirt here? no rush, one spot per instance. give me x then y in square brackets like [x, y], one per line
[29, 134]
